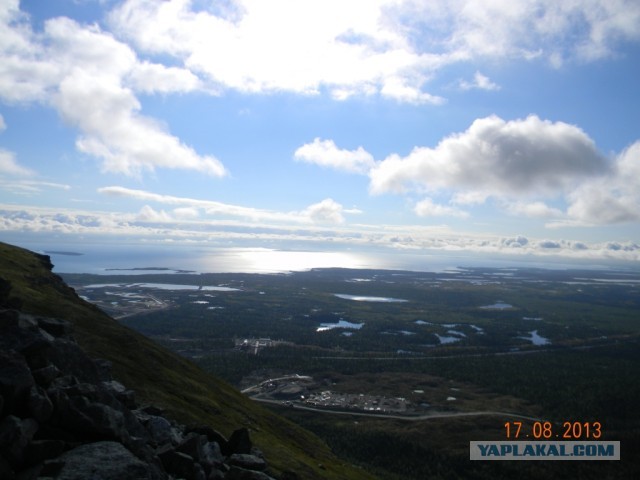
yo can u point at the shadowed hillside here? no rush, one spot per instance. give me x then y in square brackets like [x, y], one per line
[162, 378]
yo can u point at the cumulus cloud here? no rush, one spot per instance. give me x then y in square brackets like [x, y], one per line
[89, 77]
[386, 47]
[326, 154]
[522, 164]
[515, 242]
[480, 82]
[496, 157]
[149, 77]
[610, 199]
[301, 47]
[426, 208]
[326, 211]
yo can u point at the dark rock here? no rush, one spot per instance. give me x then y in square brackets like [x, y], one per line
[45, 375]
[64, 381]
[211, 456]
[54, 398]
[104, 369]
[51, 468]
[123, 395]
[38, 404]
[213, 436]
[105, 461]
[40, 450]
[216, 474]
[93, 420]
[237, 473]
[193, 445]
[45, 261]
[250, 462]
[240, 441]
[160, 429]
[15, 381]
[54, 326]
[179, 464]
[15, 435]
[68, 357]
[30, 473]
[6, 472]
[91, 411]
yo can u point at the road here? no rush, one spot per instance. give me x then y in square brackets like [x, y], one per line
[404, 417]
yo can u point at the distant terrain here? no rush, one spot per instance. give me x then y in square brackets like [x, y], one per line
[398, 370]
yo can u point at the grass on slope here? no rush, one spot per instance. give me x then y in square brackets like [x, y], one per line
[162, 378]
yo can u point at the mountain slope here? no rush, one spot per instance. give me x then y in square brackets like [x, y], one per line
[162, 378]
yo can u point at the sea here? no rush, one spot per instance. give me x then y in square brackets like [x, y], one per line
[138, 258]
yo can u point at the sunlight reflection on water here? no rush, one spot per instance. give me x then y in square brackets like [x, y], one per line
[123, 259]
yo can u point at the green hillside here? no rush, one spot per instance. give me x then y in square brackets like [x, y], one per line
[162, 378]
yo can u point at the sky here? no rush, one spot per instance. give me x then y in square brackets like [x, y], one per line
[493, 127]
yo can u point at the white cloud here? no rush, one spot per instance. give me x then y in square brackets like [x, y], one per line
[29, 187]
[426, 208]
[515, 242]
[325, 153]
[3, 125]
[349, 48]
[326, 211]
[84, 73]
[9, 166]
[480, 82]
[505, 158]
[148, 214]
[155, 224]
[152, 77]
[532, 209]
[322, 212]
[387, 47]
[610, 199]
[186, 213]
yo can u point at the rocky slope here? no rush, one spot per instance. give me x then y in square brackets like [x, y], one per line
[64, 417]
[59, 405]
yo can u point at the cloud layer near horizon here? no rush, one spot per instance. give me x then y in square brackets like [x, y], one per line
[164, 227]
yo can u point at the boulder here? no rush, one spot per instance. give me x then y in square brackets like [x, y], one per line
[38, 404]
[105, 461]
[213, 436]
[160, 429]
[239, 442]
[54, 326]
[15, 381]
[45, 375]
[249, 462]
[181, 465]
[15, 435]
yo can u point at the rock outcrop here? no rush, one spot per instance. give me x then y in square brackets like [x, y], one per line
[64, 417]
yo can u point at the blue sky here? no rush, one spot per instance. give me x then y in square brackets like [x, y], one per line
[493, 127]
